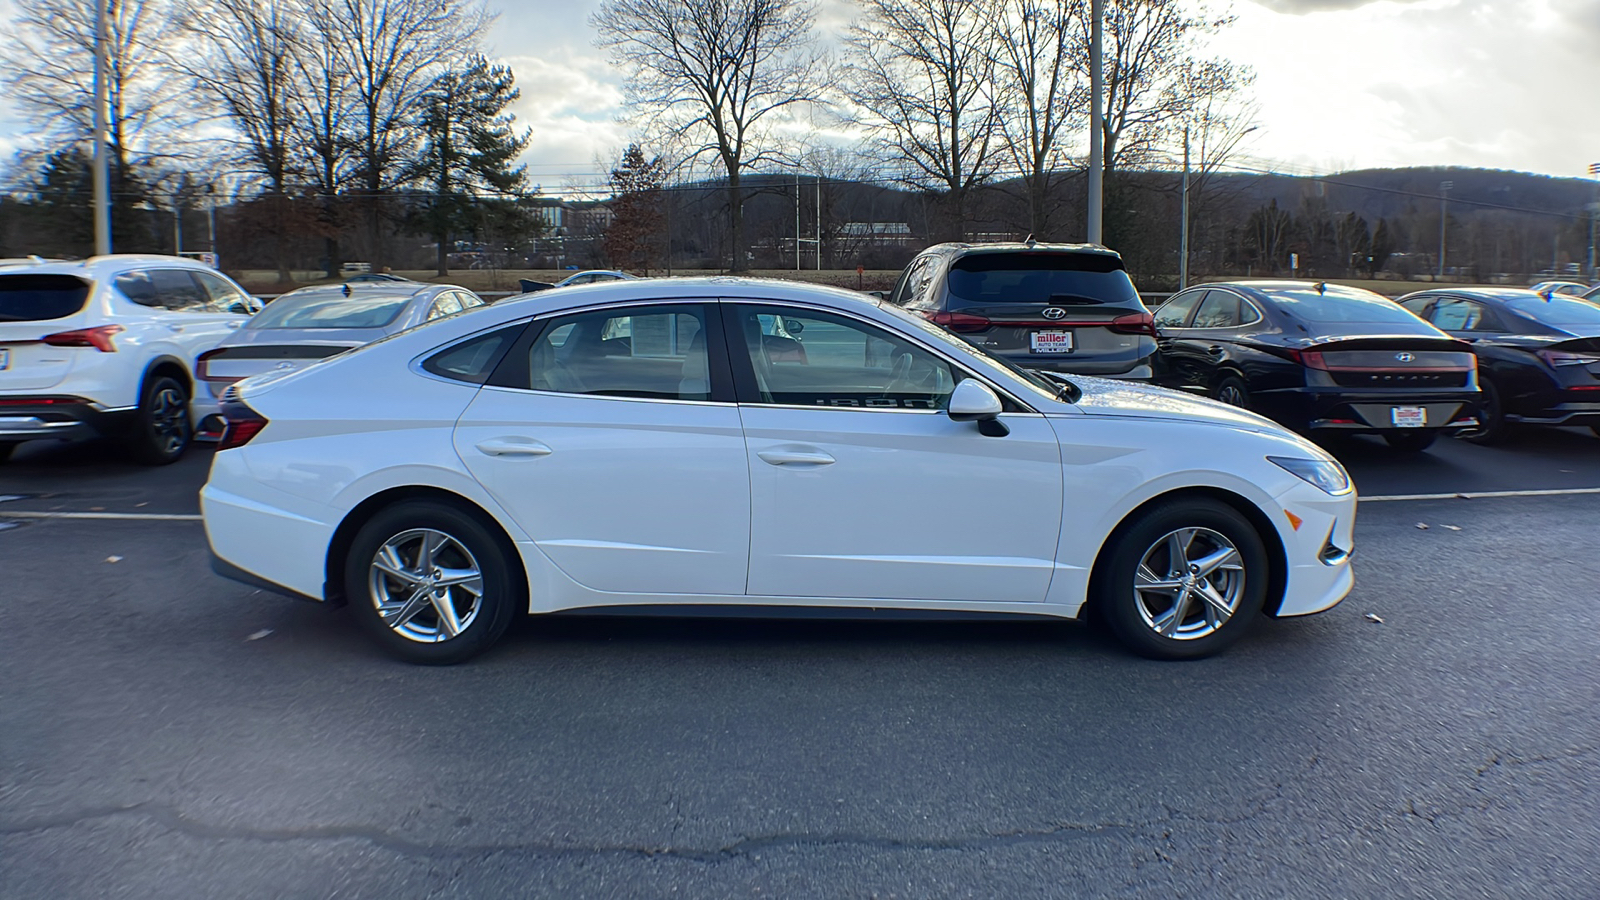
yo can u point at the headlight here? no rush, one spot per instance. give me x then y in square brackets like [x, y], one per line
[1323, 473]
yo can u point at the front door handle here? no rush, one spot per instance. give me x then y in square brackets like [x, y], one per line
[794, 457]
[1214, 350]
[512, 447]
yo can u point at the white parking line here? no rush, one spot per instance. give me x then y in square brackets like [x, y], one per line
[1482, 495]
[153, 517]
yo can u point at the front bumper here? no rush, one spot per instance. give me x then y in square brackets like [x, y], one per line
[1318, 550]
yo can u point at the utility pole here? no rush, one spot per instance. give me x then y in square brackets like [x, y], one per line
[1444, 193]
[177, 226]
[1097, 171]
[819, 223]
[102, 179]
[1183, 241]
[797, 221]
[1594, 212]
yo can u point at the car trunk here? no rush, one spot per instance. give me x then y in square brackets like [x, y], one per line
[32, 307]
[1577, 367]
[1399, 363]
[268, 350]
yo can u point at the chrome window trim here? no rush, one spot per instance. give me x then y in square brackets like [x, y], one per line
[509, 390]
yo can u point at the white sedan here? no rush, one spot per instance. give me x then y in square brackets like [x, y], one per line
[695, 444]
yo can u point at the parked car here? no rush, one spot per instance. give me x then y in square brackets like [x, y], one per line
[374, 276]
[1574, 288]
[1538, 354]
[1319, 358]
[1592, 294]
[317, 322]
[1058, 307]
[591, 276]
[104, 347]
[528, 458]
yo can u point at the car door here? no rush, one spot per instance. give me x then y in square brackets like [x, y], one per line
[861, 486]
[1207, 342]
[197, 323]
[1170, 364]
[623, 460]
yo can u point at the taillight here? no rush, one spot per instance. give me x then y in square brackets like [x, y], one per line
[960, 323]
[1311, 359]
[244, 423]
[202, 368]
[1563, 358]
[1138, 323]
[98, 337]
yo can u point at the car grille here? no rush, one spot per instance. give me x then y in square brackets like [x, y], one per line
[1400, 379]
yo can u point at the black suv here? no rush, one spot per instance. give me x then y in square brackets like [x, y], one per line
[1061, 307]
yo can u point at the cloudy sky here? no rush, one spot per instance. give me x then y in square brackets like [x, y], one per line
[1340, 84]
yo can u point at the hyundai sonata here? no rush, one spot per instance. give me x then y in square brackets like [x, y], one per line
[691, 445]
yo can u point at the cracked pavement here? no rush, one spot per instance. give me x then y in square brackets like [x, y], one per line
[149, 749]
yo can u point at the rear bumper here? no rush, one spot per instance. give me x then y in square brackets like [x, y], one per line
[59, 417]
[1365, 412]
[1561, 414]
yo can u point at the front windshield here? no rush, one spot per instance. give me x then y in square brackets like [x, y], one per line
[1050, 389]
[331, 312]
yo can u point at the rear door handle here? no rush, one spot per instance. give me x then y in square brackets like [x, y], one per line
[795, 457]
[512, 447]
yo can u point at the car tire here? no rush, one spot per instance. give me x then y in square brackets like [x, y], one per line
[1493, 427]
[394, 585]
[6, 449]
[1160, 612]
[161, 426]
[1232, 391]
[1410, 441]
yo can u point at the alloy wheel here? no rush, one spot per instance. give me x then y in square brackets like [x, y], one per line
[426, 585]
[169, 419]
[1189, 583]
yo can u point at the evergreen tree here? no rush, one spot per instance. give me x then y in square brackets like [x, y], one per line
[636, 209]
[470, 149]
[1382, 246]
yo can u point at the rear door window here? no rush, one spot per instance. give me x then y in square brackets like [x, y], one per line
[177, 290]
[1219, 310]
[1040, 279]
[39, 297]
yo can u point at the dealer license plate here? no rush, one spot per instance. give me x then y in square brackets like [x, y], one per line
[1051, 341]
[5, 358]
[1409, 416]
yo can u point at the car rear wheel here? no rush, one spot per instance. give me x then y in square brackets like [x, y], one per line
[430, 583]
[1231, 390]
[1410, 441]
[161, 428]
[1493, 427]
[1184, 581]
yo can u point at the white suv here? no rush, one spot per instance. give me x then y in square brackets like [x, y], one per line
[106, 346]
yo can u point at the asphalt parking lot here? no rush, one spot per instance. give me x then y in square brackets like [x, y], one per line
[165, 733]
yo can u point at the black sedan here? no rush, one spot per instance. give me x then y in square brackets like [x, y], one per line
[1318, 358]
[1538, 354]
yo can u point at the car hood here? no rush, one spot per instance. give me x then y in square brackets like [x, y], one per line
[1109, 397]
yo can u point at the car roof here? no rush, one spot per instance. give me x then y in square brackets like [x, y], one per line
[1481, 293]
[367, 289]
[100, 266]
[706, 287]
[1265, 288]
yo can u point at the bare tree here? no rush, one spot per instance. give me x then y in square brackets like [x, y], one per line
[47, 69]
[920, 79]
[719, 72]
[1041, 91]
[390, 51]
[1215, 125]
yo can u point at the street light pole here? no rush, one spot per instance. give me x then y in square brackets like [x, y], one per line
[1594, 212]
[1183, 242]
[1096, 126]
[1444, 192]
[101, 175]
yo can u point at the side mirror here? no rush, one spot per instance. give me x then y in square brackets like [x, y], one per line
[974, 401]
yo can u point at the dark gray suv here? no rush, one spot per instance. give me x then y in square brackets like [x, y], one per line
[1060, 307]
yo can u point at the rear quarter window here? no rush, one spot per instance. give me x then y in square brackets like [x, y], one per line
[26, 297]
[1040, 279]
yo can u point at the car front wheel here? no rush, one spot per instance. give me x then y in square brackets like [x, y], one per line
[1184, 581]
[430, 583]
